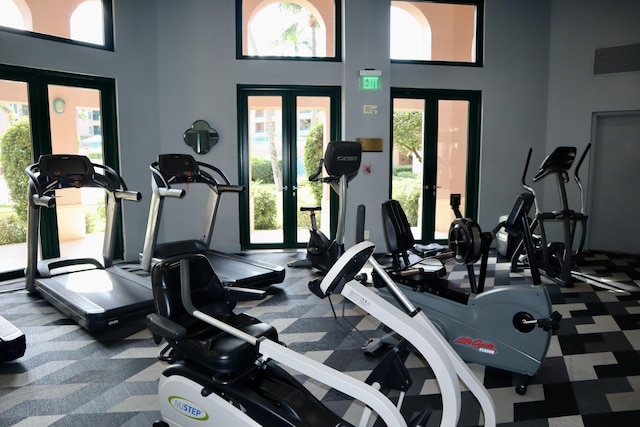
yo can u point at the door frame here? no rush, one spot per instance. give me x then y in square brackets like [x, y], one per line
[37, 81]
[288, 94]
[430, 135]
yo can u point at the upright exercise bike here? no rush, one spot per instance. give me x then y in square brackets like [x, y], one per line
[507, 327]
[342, 162]
[555, 259]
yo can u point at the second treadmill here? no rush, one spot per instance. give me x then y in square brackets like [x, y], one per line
[233, 270]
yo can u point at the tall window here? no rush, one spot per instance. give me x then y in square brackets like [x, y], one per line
[43, 112]
[305, 29]
[437, 31]
[88, 22]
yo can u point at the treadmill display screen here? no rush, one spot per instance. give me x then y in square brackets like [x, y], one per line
[57, 166]
[180, 167]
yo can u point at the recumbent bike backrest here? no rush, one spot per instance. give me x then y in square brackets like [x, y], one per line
[397, 230]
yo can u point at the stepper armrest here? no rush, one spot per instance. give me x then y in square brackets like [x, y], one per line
[163, 327]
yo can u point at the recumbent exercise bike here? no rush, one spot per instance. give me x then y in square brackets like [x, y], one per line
[506, 327]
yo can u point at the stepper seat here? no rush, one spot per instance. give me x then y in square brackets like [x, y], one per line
[198, 341]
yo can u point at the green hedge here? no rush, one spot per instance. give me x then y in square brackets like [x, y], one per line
[12, 230]
[261, 170]
[264, 207]
[16, 156]
[407, 192]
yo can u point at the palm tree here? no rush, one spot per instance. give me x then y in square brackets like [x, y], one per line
[290, 36]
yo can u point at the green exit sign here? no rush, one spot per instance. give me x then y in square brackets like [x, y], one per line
[370, 83]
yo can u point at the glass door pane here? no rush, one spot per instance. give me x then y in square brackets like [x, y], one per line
[312, 135]
[15, 156]
[76, 128]
[453, 135]
[265, 169]
[408, 159]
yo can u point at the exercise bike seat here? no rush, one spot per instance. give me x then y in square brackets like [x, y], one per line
[192, 339]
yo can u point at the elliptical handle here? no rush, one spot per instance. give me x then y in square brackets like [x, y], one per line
[576, 176]
[524, 180]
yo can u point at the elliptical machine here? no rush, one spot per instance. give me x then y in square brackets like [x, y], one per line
[554, 259]
[508, 327]
[342, 162]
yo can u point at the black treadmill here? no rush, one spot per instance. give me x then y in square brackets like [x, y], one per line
[95, 294]
[233, 270]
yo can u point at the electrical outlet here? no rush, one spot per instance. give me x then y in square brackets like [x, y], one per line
[366, 234]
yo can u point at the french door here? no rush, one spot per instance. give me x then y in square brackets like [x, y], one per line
[435, 153]
[283, 133]
[44, 112]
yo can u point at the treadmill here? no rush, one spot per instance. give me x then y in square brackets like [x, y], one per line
[95, 294]
[233, 270]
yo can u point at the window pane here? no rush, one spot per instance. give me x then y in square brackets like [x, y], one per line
[312, 136]
[265, 165]
[287, 29]
[434, 31]
[15, 156]
[408, 151]
[76, 129]
[453, 136]
[68, 19]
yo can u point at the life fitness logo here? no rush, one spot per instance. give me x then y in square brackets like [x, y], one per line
[347, 158]
[188, 408]
[480, 345]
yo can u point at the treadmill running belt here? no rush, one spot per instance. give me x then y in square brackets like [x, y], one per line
[97, 299]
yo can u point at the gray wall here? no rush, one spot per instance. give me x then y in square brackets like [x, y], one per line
[175, 63]
[578, 27]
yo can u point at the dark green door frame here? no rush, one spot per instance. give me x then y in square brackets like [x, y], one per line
[430, 137]
[288, 95]
[37, 83]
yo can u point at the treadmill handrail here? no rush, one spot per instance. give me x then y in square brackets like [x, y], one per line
[111, 181]
[61, 171]
[222, 184]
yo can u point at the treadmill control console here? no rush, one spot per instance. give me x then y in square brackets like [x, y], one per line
[178, 167]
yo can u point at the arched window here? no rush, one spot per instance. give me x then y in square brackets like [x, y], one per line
[437, 31]
[287, 29]
[87, 23]
[410, 33]
[70, 21]
[11, 16]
